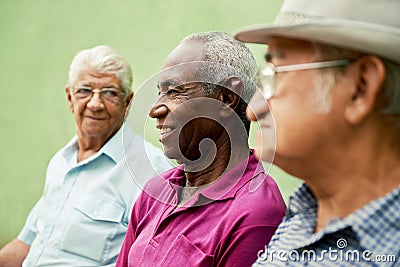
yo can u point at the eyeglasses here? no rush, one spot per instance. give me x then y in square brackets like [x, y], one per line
[266, 76]
[112, 95]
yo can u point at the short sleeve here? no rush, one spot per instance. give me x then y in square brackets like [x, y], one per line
[28, 232]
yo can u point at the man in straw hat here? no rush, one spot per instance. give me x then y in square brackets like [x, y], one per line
[332, 85]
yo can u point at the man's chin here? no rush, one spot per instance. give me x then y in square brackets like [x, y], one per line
[172, 154]
[264, 154]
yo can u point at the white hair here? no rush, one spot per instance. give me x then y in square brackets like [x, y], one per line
[104, 59]
[320, 99]
[389, 97]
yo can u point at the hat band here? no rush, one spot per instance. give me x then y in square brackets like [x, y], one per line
[288, 18]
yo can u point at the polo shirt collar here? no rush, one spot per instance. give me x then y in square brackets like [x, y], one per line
[225, 187]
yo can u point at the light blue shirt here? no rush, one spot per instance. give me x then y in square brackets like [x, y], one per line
[83, 214]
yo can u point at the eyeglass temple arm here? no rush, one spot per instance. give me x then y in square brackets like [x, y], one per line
[313, 65]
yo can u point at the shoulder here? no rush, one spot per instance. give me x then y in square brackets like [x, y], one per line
[261, 203]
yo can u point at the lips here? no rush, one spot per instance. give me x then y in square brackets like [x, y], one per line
[95, 118]
[166, 131]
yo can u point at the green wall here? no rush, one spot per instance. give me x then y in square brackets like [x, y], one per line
[38, 39]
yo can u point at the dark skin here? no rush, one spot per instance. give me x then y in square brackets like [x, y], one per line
[183, 116]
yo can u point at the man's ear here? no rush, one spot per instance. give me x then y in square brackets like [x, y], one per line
[369, 76]
[229, 94]
[69, 99]
[128, 102]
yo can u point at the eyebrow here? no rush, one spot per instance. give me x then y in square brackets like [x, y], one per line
[167, 83]
[271, 55]
[86, 84]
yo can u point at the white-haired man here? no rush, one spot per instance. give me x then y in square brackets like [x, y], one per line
[332, 84]
[82, 216]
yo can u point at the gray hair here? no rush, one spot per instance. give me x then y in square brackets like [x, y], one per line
[388, 100]
[104, 59]
[391, 93]
[222, 48]
[391, 88]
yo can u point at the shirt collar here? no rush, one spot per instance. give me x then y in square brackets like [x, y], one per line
[301, 200]
[375, 224]
[113, 148]
[225, 187]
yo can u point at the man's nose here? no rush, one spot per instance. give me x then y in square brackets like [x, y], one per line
[257, 107]
[95, 102]
[158, 110]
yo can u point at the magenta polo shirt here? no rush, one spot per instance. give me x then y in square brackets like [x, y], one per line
[225, 224]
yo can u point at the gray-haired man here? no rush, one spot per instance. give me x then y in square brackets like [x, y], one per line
[204, 212]
[332, 82]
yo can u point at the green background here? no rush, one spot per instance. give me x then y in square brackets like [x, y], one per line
[38, 41]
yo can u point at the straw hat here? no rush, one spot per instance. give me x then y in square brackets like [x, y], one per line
[371, 26]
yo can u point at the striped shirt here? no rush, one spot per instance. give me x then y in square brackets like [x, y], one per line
[369, 236]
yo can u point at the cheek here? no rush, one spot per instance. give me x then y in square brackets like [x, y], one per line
[290, 120]
[77, 109]
[319, 100]
[116, 112]
[299, 131]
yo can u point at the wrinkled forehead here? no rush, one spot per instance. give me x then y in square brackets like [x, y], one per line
[196, 71]
[179, 74]
[91, 75]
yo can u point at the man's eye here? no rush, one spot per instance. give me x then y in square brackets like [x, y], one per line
[110, 93]
[84, 91]
[172, 91]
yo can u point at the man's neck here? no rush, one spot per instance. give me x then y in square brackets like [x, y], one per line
[87, 146]
[356, 166]
[224, 161]
[346, 190]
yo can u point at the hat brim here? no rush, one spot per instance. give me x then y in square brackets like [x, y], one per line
[368, 38]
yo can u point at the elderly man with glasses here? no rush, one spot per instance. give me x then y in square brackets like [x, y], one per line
[332, 87]
[83, 214]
